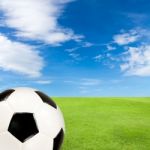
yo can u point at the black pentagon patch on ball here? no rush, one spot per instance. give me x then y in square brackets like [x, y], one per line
[23, 126]
[4, 95]
[46, 99]
[58, 140]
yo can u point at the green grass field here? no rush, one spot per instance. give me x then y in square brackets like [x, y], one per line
[106, 123]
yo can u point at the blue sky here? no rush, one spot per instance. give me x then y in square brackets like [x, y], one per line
[76, 48]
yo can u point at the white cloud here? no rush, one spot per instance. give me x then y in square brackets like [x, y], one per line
[90, 82]
[44, 81]
[85, 82]
[98, 58]
[137, 17]
[87, 44]
[110, 47]
[86, 85]
[137, 61]
[70, 50]
[83, 45]
[75, 56]
[37, 20]
[18, 57]
[126, 37]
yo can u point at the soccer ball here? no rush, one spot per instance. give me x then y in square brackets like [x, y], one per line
[29, 120]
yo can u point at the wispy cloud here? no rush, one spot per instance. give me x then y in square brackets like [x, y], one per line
[137, 18]
[126, 37]
[81, 44]
[44, 82]
[98, 58]
[89, 85]
[37, 20]
[87, 90]
[85, 82]
[20, 58]
[86, 85]
[87, 44]
[110, 47]
[75, 56]
[70, 50]
[90, 82]
[137, 61]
